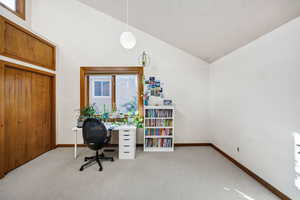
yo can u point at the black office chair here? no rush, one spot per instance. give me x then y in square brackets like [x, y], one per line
[95, 136]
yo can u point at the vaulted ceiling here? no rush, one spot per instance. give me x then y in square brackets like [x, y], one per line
[208, 29]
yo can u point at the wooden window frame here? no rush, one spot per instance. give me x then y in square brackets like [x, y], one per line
[20, 8]
[84, 82]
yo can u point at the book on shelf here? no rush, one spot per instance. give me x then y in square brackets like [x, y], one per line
[158, 122]
[159, 128]
[159, 113]
[158, 132]
[158, 142]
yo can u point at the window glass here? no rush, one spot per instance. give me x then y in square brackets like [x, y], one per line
[97, 89]
[126, 93]
[101, 88]
[105, 88]
[9, 3]
[100, 93]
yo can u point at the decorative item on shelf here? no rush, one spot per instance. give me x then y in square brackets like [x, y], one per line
[167, 102]
[144, 59]
[155, 101]
[146, 100]
[127, 39]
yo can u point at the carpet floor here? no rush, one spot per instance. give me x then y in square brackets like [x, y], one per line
[189, 173]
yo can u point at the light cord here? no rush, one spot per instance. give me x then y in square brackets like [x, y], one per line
[127, 18]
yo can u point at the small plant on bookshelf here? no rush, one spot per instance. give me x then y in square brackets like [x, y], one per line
[136, 119]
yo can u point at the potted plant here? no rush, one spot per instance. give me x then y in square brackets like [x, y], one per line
[85, 113]
[138, 120]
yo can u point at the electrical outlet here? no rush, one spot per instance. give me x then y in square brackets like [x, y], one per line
[238, 149]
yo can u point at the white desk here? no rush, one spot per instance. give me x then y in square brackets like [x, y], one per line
[127, 140]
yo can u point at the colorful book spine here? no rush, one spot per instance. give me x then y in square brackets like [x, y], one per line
[159, 113]
[158, 131]
[158, 122]
[158, 142]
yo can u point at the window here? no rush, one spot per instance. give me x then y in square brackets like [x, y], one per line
[10, 4]
[118, 92]
[126, 93]
[101, 86]
[15, 6]
[112, 88]
[100, 93]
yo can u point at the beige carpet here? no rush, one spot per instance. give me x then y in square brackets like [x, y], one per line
[189, 173]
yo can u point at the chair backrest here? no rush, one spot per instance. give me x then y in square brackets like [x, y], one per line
[94, 133]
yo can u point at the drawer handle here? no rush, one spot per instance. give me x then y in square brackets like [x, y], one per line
[126, 145]
[126, 139]
[126, 130]
[126, 152]
[126, 135]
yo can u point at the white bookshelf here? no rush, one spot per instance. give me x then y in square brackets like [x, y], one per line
[159, 128]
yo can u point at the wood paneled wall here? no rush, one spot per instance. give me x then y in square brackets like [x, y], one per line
[19, 43]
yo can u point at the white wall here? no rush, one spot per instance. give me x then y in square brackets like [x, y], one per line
[86, 37]
[255, 105]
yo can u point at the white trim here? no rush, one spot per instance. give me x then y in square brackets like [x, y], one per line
[7, 59]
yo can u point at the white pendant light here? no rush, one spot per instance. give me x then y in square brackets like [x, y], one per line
[127, 39]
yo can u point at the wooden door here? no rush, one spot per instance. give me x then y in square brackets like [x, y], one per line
[28, 121]
[2, 136]
[40, 115]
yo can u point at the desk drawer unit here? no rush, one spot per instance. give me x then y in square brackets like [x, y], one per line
[127, 143]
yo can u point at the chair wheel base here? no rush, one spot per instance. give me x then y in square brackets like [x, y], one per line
[95, 159]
